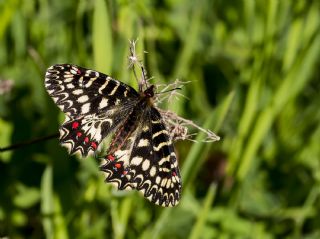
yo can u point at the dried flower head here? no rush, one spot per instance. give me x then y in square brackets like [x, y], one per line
[177, 126]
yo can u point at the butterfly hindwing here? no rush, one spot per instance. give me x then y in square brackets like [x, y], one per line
[157, 176]
[147, 162]
[85, 133]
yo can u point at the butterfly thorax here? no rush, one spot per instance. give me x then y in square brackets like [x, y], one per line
[130, 123]
[147, 95]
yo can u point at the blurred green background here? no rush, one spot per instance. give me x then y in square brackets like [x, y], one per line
[254, 72]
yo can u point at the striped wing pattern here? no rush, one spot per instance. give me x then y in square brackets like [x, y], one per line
[94, 105]
[145, 161]
[141, 154]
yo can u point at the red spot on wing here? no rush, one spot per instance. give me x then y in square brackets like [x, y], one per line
[78, 71]
[79, 134]
[111, 157]
[75, 125]
[86, 139]
[117, 165]
[94, 145]
[174, 173]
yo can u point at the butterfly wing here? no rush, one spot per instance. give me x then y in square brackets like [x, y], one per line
[147, 162]
[141, 155]
[93, 102]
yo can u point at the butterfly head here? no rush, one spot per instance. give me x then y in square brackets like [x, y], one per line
[149, 92]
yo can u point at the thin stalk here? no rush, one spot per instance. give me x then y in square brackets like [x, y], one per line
[29, 142]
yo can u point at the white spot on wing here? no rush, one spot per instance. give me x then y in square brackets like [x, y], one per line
[168, 183]
[153, 171]
[143, 143]
[51, 91]
[85, 108]
[103, 103]
[77, 92]
[136, 160]
[68, 79]
[83, 98]
[145, 164]
[163, 182]
[164, 170]
[70, 86]
[73, 71]
[158, 179]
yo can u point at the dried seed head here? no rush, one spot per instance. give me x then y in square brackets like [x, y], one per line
[177, 125]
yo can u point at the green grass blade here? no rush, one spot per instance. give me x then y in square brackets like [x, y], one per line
[197, 229]
[102, 37]
[196, 153]
[195, 157]
[47, 208]
[295, 81]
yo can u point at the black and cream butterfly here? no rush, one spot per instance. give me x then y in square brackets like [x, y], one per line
[141, 154]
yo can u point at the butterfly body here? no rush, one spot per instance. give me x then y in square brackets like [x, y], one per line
[141, 154]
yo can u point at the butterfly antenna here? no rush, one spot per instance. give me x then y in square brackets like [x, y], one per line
[177, 88]
[25, 143]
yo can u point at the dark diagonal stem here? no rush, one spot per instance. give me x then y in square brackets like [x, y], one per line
[25, 143]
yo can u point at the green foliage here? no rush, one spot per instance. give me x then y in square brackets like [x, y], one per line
[254, 72]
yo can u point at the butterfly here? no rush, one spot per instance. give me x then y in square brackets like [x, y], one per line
[140, 155]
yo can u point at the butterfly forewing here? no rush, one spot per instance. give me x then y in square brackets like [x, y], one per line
[141, 154]
[78, 91]
[94, 104]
